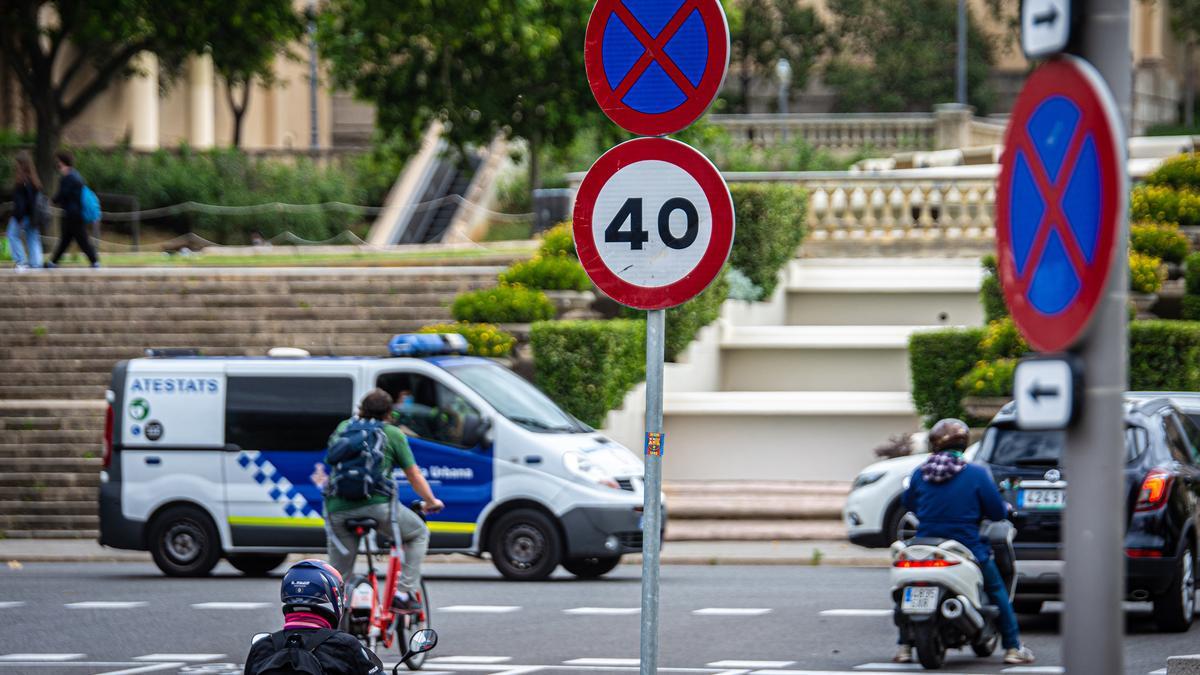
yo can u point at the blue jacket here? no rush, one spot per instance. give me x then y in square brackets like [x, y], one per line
[954, 509]
[70, 196]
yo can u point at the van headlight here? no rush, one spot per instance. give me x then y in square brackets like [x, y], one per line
[580, 467]
[866, 478]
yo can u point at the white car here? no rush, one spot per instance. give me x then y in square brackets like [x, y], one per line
[872, 513]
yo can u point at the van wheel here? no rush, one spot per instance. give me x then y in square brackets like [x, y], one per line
[591, 568]
[1174, 609]
[525, 545]
[184, 542]
[256, 564]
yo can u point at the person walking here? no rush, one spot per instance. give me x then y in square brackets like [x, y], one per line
[70, 199]
[28, 215]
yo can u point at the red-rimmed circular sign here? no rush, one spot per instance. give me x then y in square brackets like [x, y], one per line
[1060, 199]
[653, 223]
[655, 66]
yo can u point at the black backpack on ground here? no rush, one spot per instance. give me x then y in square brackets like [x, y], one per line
[356, 457]
[293, 653]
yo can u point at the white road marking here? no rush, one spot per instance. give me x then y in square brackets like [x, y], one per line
[190, 658]
[732, 611]
[520, 670]
[479, 609]
[603, 662]
[231, 605]
[751, 664]
[1160, 671]
[1034, 669]
[891, 667]
[470, 659]
[770, 671]
[153, 667]
[41, 657]
[105, 604]
[603, 611]
[857, 612]
[11, 604]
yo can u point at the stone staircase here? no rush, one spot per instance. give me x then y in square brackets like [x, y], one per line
[62, 332]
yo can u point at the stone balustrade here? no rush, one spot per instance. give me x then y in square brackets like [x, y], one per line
[846, 133]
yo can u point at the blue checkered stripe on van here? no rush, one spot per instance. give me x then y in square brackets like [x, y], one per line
[278, 487]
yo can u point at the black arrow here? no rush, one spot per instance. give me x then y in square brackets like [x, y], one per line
[1038, 391]
[1049, 17]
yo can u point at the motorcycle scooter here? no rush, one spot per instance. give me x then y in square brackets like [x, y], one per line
[940, 603]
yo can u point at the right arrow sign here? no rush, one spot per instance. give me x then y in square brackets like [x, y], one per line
[1045, 27]
[1044, 390]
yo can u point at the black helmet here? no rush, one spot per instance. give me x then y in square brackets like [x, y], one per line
[313, 586]
[949, 434]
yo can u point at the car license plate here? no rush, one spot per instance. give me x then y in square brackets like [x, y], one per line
[919, 599]
[1049, 500]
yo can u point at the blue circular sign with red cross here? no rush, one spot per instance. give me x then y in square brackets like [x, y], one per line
[1060, 200]
[655, 66]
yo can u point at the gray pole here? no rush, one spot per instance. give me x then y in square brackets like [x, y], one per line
[314, 140]
[1094, 521]
[961, 65]
[652, 497]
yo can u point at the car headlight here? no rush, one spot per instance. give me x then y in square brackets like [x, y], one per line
[579, 466]
[866, 478]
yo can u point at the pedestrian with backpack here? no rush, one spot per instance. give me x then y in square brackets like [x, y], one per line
[80, 208]
[28, 215]
[363, 452]
[309, 644]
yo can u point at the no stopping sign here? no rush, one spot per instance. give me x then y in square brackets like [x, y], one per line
[653, 223]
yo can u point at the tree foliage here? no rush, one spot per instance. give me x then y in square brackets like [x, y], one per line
[899, 55]
[764, 31]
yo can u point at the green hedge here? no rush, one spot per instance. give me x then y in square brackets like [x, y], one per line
[991, 296]
[502, 304]
[1164, 356]
[483, 339]
[587, 367]
[558, 240]
[1179, 172]
[1163, 204]
[686, 320]
[770, 227]
[557, 272]
[938, 359]
[1160, 240]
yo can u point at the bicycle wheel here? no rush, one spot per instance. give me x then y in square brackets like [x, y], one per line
[413, 623]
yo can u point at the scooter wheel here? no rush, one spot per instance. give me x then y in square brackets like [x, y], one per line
[986, 648]
[930, 650]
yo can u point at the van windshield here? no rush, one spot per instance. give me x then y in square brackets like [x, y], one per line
[515, 398]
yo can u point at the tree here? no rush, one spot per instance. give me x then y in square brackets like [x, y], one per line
[513, 67]
[247, 36]
[1185, 22]
[65, 53]
[899, 55]
[764, 31]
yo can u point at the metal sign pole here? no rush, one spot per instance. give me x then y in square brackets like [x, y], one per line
[1093, 528]
[652, 497]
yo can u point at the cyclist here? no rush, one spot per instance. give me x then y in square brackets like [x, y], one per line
[311, 594]
[403, 524]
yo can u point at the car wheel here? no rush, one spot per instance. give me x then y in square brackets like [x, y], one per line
[184, 542]
[525, 545]
[591, 568]
[1173, 610]
[1022, 606]
[256, 564]
[930, 650]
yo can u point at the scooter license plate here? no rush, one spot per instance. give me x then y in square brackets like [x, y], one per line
[919, 599]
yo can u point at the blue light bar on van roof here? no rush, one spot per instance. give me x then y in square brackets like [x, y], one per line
[427, 344]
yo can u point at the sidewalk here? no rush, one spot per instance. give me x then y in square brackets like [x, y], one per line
[831, 552]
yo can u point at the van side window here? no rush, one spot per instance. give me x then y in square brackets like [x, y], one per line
[285, 413]
[428, 409]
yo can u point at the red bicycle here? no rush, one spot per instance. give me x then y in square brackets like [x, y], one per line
[371, 618]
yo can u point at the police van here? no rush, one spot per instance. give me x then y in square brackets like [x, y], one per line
[210, 457]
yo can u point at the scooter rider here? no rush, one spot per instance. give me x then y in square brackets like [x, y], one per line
[950, 498]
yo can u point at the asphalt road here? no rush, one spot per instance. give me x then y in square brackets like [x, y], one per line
[767, 620]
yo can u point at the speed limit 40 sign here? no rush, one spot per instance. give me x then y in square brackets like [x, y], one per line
[653, 223]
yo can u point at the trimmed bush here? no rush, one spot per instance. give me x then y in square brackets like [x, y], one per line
[558, 240]
[989, 378]
[1191, 274]
[548, 273]
[741, 287]
[1165, 205]
[770, 227]
[1161, 240]
[483, 339]
[684, 321]
[1146, 273]
[937, 360]
[1002, 340]
[990, 293]
[502, 304]
[587, 367]
[1164, 356]
[1179, 172]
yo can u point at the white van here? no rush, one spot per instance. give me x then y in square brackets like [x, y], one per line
[222, 456]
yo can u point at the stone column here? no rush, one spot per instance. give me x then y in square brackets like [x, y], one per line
[952, 126]
[200, 102]
[142, 101]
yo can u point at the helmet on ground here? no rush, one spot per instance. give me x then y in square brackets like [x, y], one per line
[949, 434]
[313, 586]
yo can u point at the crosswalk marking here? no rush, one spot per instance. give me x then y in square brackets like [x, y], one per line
[191, 658]
[732, 611]
[602, 662]
[893, 667]
[41, 657]
[11, 604]
[751, 664]
[153, 667]
[470, 659]
[231, 605]
[1160, 671]
[105, 604]
[479, 609]
[856, 612]
[604, 611]
[1034, 669]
